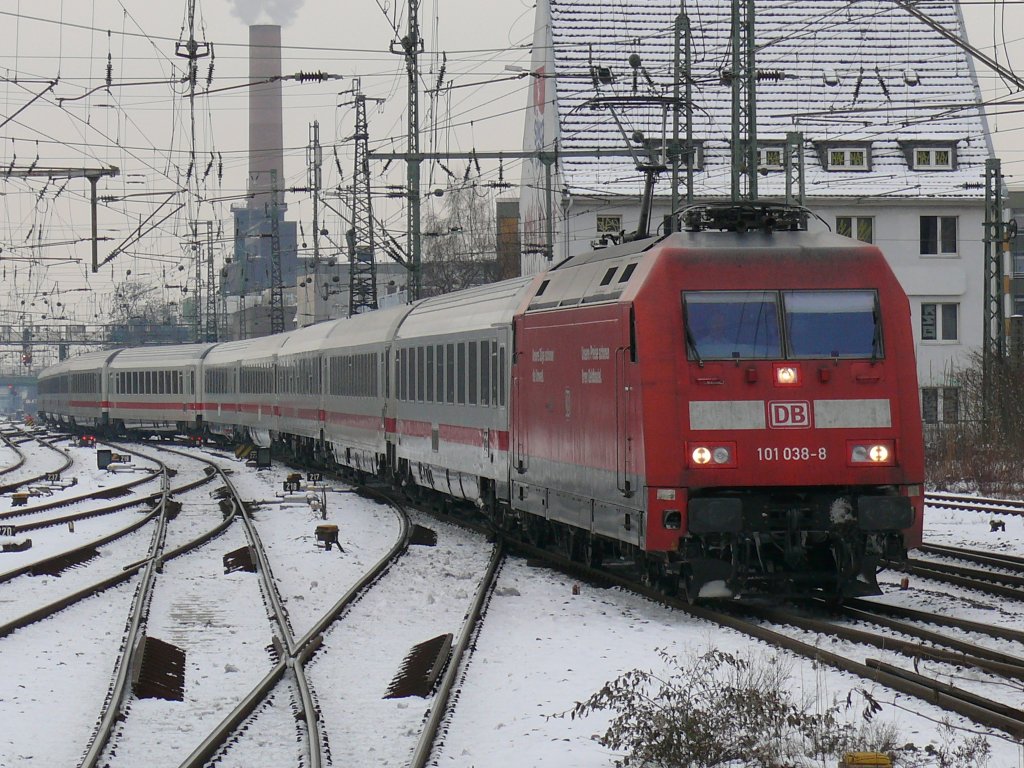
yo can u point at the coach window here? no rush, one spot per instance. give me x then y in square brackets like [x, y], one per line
[136, 383]
[485, 372]
[449, 374]
[460, 372]
[400, 375]
[439, 373]
[501, 375]
[832, 324]
[421, 369]
[473, 374]
[731, 325]
[410, 374]
[429, 373]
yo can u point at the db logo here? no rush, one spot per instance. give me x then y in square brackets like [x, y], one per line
[789, 415]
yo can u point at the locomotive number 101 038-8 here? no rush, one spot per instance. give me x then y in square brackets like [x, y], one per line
[792, 454]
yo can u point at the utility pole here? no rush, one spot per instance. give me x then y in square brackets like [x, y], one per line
[743, 78]
[682, 71]
[993, 346]
[92, 175]
[211, 293]
[193, 50]
[793, 160]
[411, 46]
[362, 276]
[197, 300]
[314, 163]
[276, 280]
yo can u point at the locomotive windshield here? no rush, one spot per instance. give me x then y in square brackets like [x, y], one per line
[732, 324]
[832, 324]
[745, 325]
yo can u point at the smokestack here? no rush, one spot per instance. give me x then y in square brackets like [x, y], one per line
[266, 135]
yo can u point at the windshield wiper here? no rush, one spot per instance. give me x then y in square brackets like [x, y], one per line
[876, 339]
[691, 345]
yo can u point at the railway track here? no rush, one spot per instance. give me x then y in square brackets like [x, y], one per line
[975, 503]
[978, 708]
[9, 485]
[293, 654]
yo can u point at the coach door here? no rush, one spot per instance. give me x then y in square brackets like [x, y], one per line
[625, 404]
[519, 403]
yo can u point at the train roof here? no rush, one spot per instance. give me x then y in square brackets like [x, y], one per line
[258, 348]
[367, 328]
[473, 309]
[88, 361]
[158, 357]
[606, 274]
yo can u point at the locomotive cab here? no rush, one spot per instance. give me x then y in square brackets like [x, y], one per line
[794, 464]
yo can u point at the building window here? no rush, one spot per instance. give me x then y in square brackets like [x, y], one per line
[930, 405]
[933, 159]
[860, 227]
[939, 322]
[950, 404]
[770, 158]
[847, 159]
[938, 236]
[609, 224]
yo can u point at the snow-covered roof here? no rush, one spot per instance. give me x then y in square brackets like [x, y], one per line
[863, 72]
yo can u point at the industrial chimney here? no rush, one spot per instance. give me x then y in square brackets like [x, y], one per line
[266, 139]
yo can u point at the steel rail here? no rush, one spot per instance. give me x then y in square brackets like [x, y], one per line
[934, 694]
[128, 572]
[121, 689]
[17, 451]
[442, 697]
[305, 647]
[113, 536]
[5, 487]
[980, 557]
[975, 503]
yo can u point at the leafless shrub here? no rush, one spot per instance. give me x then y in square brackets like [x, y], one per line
[719, 709]
[984, 449]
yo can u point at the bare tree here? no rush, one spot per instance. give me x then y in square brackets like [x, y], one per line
[459, 242]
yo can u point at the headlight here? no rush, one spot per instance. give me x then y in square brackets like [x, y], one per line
[880, 453]
[787, 375]
[720, 455]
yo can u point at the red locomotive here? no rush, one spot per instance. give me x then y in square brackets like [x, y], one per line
[732, 412]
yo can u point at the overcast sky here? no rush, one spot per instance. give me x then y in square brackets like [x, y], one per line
[144, 130]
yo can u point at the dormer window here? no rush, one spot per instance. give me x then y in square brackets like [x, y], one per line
[930, 155]
[847, 158]
[933, 159]
[770, 157]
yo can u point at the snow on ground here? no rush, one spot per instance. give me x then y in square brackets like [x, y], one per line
[541, 649]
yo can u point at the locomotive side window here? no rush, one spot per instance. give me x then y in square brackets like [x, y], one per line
[832, 324]
[732, 325]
